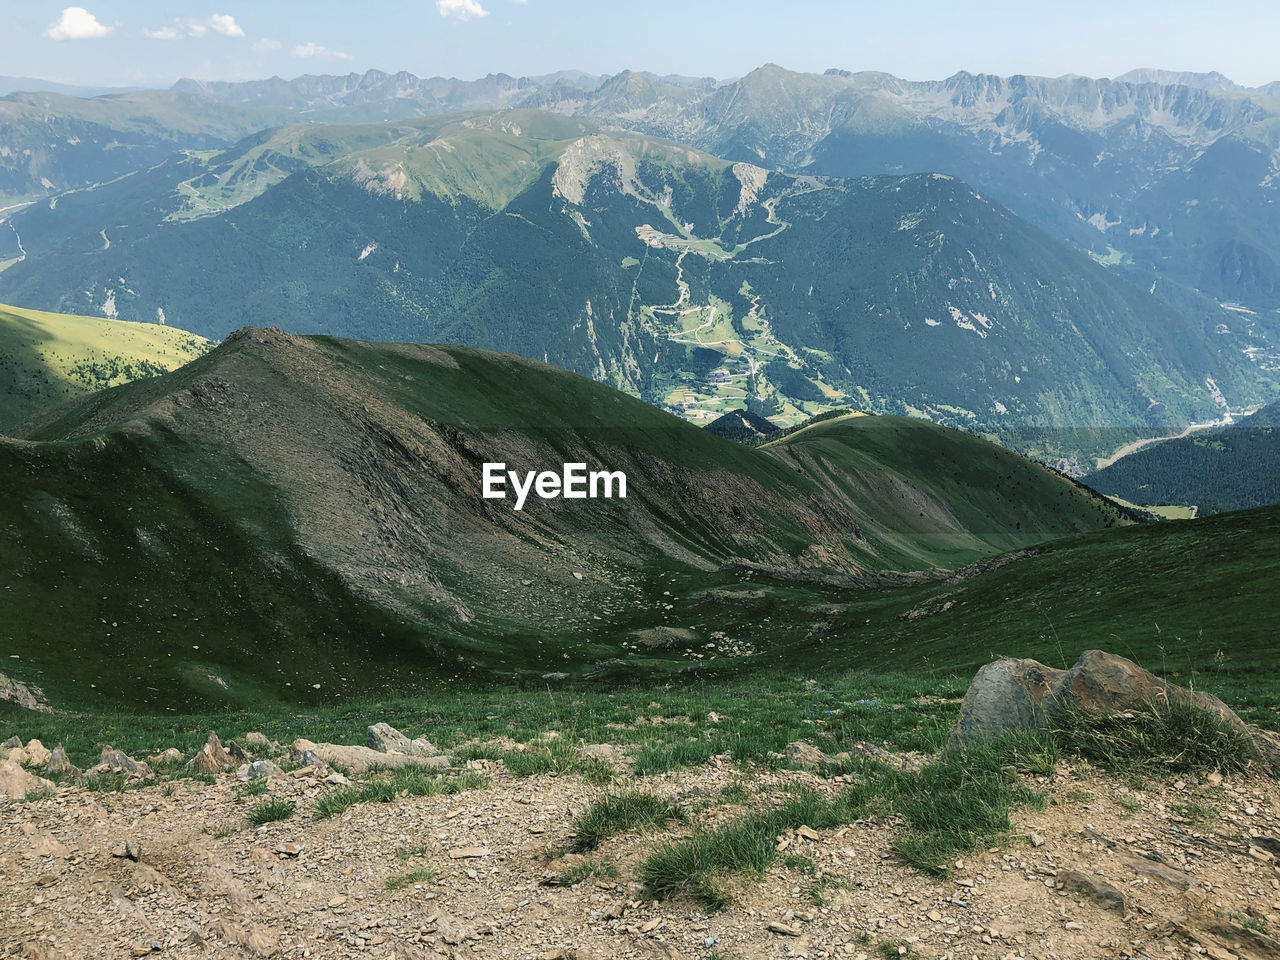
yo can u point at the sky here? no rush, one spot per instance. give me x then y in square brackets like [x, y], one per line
[155, 42]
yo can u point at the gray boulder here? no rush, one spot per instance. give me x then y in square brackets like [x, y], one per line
[1010, 695]
[117, 761]
[385, 738]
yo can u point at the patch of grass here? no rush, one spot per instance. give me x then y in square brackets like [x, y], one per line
[405, 781]
[586, 870]
[224, 831]
[409, 853]
[1164, 739]
[801, 864]
[735, 792]
[893, 949]
[1129, 803]
[403, 880]
[957, 803]
[655, 758]
[616, 813]
[558, 759]
[270, 811]
[1194, 812]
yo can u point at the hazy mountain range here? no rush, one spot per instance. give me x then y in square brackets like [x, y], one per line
[1040, 260]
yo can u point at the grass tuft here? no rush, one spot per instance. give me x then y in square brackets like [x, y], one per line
[1165, 738]
[957, 803]
[616, 813]
[409, 879]
[586, 870]
[271, 810]
[404, 781]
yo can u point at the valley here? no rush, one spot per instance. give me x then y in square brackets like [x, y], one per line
[591, 515]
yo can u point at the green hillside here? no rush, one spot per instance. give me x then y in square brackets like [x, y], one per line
[46, 358]
[952, 495]
[1230, 468]
[300, 520]
[697, 284]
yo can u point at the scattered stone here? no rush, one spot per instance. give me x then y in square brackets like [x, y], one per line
[1099, 891]
[25, 696]
[166, 756]
[356, 760]
[777, 926]
[11, 743]
[467, 853]
[59, 764]
[1036, 840]
[211, 758]
[805, 754]
[260, 770]
[17, 783]
[387, 739]
[130, 851]
[117, 761]
[37, 755]
[237, 752]
[289, 849]
[255, 739]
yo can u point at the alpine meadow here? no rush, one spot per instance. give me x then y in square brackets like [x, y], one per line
[687, 508]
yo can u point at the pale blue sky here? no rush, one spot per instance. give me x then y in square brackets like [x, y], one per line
[153, 42]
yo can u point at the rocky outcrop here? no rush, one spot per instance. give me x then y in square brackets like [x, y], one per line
[17, 783]
[387, 739]
[260, 770]
[211, 758]
[30, 698]
[1010, 695]
[356, 760]
[117, 761]
[59, 764]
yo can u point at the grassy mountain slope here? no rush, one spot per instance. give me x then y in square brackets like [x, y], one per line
[300, 519]
[51, 142]
[1231, 468]
[953, 493]
[49, 357]
[700, 285]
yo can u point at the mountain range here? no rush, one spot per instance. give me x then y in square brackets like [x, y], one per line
[698, 284]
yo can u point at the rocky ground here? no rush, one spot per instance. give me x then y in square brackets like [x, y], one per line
[1108, 868]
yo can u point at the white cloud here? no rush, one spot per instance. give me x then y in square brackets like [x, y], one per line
[314, 51]
[461, 9]
[76, 23]
[226, 25]
[220, 23]
[266, 45]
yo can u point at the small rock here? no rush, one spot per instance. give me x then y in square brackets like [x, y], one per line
[212, 758]
[11, 743]
[1036, 840]
[169, 755]
[130, 851]
[17, 783]
[260, 770]
[237, 752]
[777, 926]
[117, 761]
[1099, 891]
[466, 853]
[37, 755]
[289, 849]
[59, 764]
[255, 739]
[805, 754]
[337, 902]
[387, 739]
